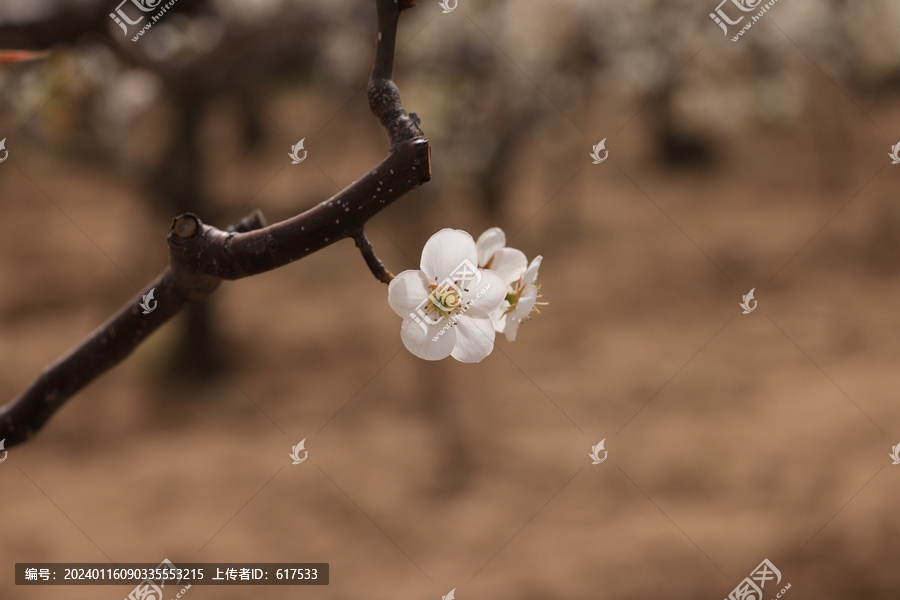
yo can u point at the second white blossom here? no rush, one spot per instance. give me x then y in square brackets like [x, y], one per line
[520, 279]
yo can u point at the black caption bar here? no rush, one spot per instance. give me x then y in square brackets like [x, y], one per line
[167, 574]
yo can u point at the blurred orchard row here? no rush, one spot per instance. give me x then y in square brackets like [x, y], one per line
[473, 75]
[488, 81]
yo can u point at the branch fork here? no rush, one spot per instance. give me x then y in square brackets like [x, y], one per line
[201, 256]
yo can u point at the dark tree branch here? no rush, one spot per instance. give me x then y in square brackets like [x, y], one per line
[201, 256]
[384, 97]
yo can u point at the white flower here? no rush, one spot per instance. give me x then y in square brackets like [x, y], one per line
[519, 302]
[446, 306]
[520, 277]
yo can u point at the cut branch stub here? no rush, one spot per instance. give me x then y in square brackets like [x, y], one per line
[185, 226]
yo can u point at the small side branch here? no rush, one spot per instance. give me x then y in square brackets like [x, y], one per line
[372, 261]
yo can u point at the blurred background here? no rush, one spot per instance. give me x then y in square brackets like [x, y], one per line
[732, 438]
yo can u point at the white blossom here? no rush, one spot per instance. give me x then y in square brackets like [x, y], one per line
[446, 305]
[519, 277]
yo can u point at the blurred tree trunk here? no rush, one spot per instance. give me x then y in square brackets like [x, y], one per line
[677, 146]
[440, 398]
[177, 187]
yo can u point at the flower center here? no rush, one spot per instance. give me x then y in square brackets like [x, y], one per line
[444, 299]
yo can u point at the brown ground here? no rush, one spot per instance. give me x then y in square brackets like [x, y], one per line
[748, 436]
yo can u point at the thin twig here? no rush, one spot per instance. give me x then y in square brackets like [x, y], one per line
[372, 261]
[201, 256]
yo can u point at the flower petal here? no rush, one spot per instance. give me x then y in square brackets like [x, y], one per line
[510, 264]
[489, 243]
[445, 251]
[532, 272]
[484, 294]
[498, 317]
[474, 340]
[520, 312]
[512, 328]
[407, 291]
[526, 302]
[426, 341]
